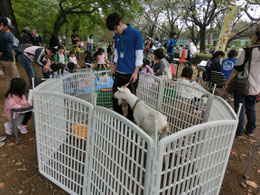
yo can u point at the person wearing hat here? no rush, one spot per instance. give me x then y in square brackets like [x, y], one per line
[26, 36]
[36, 38]
[9, 35]
[6, 56]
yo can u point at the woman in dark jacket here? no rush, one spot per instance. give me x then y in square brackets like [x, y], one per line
[213, 64]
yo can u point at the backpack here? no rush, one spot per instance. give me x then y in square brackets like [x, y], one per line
[15, 42]
[248, 57]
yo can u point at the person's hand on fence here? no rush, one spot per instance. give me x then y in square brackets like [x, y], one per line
[26, 105]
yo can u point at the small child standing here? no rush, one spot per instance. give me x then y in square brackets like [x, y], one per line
[147, 66]
[101, 59]
[73, 58]
[15, 99]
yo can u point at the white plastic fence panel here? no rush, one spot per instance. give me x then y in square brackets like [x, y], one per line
[194, 160]
[220, 110]
[148, 89]
[183, 105]
[61, 131]
[103, 87]
[54, 85]
[121, 156]
[80, 85]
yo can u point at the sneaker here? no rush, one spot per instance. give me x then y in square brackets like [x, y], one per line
[249, 134]
[8, 129]
[1, 144]
[239, 136]
[2, 138]
[22, 128]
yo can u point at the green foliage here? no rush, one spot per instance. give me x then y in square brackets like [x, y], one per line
[38, 14]
[209, 45]
[42, 15]
[236, 43]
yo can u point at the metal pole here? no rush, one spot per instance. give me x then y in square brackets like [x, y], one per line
[155, 133]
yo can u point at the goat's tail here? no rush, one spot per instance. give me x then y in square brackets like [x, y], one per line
[166, 128]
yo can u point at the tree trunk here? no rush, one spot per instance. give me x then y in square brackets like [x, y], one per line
[6, 10]
[210, 41]
[59, 23]
[202, 38]
[151, 31]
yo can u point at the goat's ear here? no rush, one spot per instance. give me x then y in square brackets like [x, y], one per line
[119, 89]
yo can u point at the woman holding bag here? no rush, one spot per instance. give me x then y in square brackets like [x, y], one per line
[247, 66]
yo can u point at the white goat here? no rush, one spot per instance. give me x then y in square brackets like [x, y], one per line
[144, 115]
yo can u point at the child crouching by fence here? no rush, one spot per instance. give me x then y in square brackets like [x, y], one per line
[15, 99]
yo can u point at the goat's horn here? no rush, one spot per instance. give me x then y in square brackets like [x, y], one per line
[126, 85]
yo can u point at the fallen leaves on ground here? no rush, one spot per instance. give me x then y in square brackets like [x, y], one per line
[252, 141]
[3, 155]
[10, 144]
[20, 191]
[243, 184]
[234, 152]
[18, 163]
[2, 185]
[21, 146]
[251, 183]
[244, 155]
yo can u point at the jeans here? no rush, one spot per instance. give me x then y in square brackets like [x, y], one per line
[120, 80]
[89, 48]
[29, 68]
[249, 107]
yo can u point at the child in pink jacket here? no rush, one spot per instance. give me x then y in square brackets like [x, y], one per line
[15, 99]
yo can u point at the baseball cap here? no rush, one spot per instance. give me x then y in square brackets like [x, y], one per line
[27, 28]
[9, 23]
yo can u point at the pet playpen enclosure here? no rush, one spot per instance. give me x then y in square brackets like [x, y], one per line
[88, 149]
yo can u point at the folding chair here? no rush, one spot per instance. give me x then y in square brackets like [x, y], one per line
[219, 79]
[251, 158]
[14, 112]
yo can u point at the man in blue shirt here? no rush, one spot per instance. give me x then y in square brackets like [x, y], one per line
[171, 44]
[128, 57]
[228, 64]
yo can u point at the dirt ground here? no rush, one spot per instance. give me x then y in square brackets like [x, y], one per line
[19, 168]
